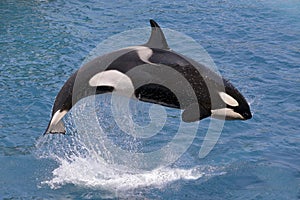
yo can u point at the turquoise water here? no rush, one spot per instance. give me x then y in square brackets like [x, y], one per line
[255, 44]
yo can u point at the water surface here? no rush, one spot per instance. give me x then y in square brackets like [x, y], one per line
[255, 44]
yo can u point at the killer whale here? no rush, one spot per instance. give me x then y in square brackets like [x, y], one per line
[140, 72]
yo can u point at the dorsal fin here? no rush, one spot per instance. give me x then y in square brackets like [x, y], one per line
[157, 38]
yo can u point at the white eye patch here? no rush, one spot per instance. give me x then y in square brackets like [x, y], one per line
[229, 100]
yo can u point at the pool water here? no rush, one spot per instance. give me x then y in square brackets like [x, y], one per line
[254, 44]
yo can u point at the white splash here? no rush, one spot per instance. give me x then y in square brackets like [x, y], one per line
[96, 173]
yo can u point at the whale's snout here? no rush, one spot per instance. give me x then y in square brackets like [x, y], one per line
[247, 114]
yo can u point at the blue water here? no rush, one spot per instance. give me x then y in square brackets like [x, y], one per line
[255, 44]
